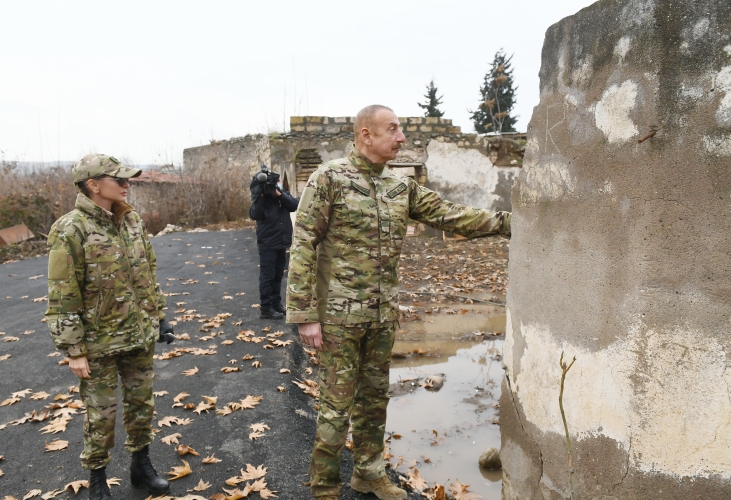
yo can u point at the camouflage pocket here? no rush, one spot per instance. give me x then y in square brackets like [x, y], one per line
[58, 268]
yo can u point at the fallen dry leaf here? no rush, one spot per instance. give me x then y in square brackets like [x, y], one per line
[201, 486]
[231, 369]
[181, 397]
[51, 494]
[180, 471]
[191, 372]
[64, 361]
[10, 401]
[4, 357]
[114, 481]
[414, 479]
[436, 493]
[459, 491]
[260, 427]
[172, 438]
[249, 402]
[185, 449]
[57, 425]
[32, 493]
[257, 364]
[173, 420]
[56, 445]
[211, 399]
[285, 370]
[159, 394]
[227, 342]
[77, 485]
[247, 357]
[38, 396]
[281, 388]
[211, 460]
[11, 339]
[203, 407]
[281, 343]
[21, 394]
[253, 472]
[54, 354]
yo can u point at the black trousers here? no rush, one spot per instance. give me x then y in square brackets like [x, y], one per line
[271, 270]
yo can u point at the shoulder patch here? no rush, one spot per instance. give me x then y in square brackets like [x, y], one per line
[362, 190]
[397, 191]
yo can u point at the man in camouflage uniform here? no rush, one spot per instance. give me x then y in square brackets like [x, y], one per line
[343, 291]
[105, 310]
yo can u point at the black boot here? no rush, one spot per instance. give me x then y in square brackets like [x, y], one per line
[143, 475]
[98, 487]
[280, 308]
[271, 314]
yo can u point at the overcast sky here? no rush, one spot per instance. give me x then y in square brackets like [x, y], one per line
[142, 80]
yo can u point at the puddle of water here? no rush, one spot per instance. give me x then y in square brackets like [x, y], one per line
[453, 426]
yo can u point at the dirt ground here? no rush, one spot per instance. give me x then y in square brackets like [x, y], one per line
[435, 271]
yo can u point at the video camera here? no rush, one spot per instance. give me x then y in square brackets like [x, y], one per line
[264, 181]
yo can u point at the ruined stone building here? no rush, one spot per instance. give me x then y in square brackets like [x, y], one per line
[464, 168]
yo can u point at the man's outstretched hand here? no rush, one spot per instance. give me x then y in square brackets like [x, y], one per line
[311, 335]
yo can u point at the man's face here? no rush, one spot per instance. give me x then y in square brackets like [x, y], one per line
[386, 137]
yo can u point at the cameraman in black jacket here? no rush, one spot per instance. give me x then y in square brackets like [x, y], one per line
[270, 208]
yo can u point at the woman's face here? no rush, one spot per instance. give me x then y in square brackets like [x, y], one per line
[109, 189]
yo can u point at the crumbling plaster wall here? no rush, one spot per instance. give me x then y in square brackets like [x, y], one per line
[620, 257]
[239, 154]
[462, 172]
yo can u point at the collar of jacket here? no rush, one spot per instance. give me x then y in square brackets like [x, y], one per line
[359, 160]
[119, 209]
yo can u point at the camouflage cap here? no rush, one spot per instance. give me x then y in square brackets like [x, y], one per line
[94, 165]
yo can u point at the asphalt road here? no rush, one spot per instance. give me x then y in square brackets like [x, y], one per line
[231, 258]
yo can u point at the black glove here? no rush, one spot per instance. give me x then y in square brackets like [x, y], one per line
[166, 332]
[256, 189]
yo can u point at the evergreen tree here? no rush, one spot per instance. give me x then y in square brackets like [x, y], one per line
[498, 98]
[431, 106]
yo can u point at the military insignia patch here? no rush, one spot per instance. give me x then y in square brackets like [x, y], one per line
[114, 160]
[397, 191]
[362, 190]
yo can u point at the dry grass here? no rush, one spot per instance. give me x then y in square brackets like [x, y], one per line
[37, 196]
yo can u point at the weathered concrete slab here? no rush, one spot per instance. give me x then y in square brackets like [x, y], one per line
[15, 234]
[620, 256]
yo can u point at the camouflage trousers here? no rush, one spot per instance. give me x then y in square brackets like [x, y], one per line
[353, 377]
[99, 395]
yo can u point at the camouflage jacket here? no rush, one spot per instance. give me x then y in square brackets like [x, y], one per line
[103, 297]
[349, 229]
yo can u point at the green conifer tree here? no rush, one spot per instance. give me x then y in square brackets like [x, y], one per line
[431, 107]
[494, 114]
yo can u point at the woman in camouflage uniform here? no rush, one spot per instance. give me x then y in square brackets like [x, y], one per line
[105, 310]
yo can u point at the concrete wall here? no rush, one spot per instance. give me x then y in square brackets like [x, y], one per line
[620, 257]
